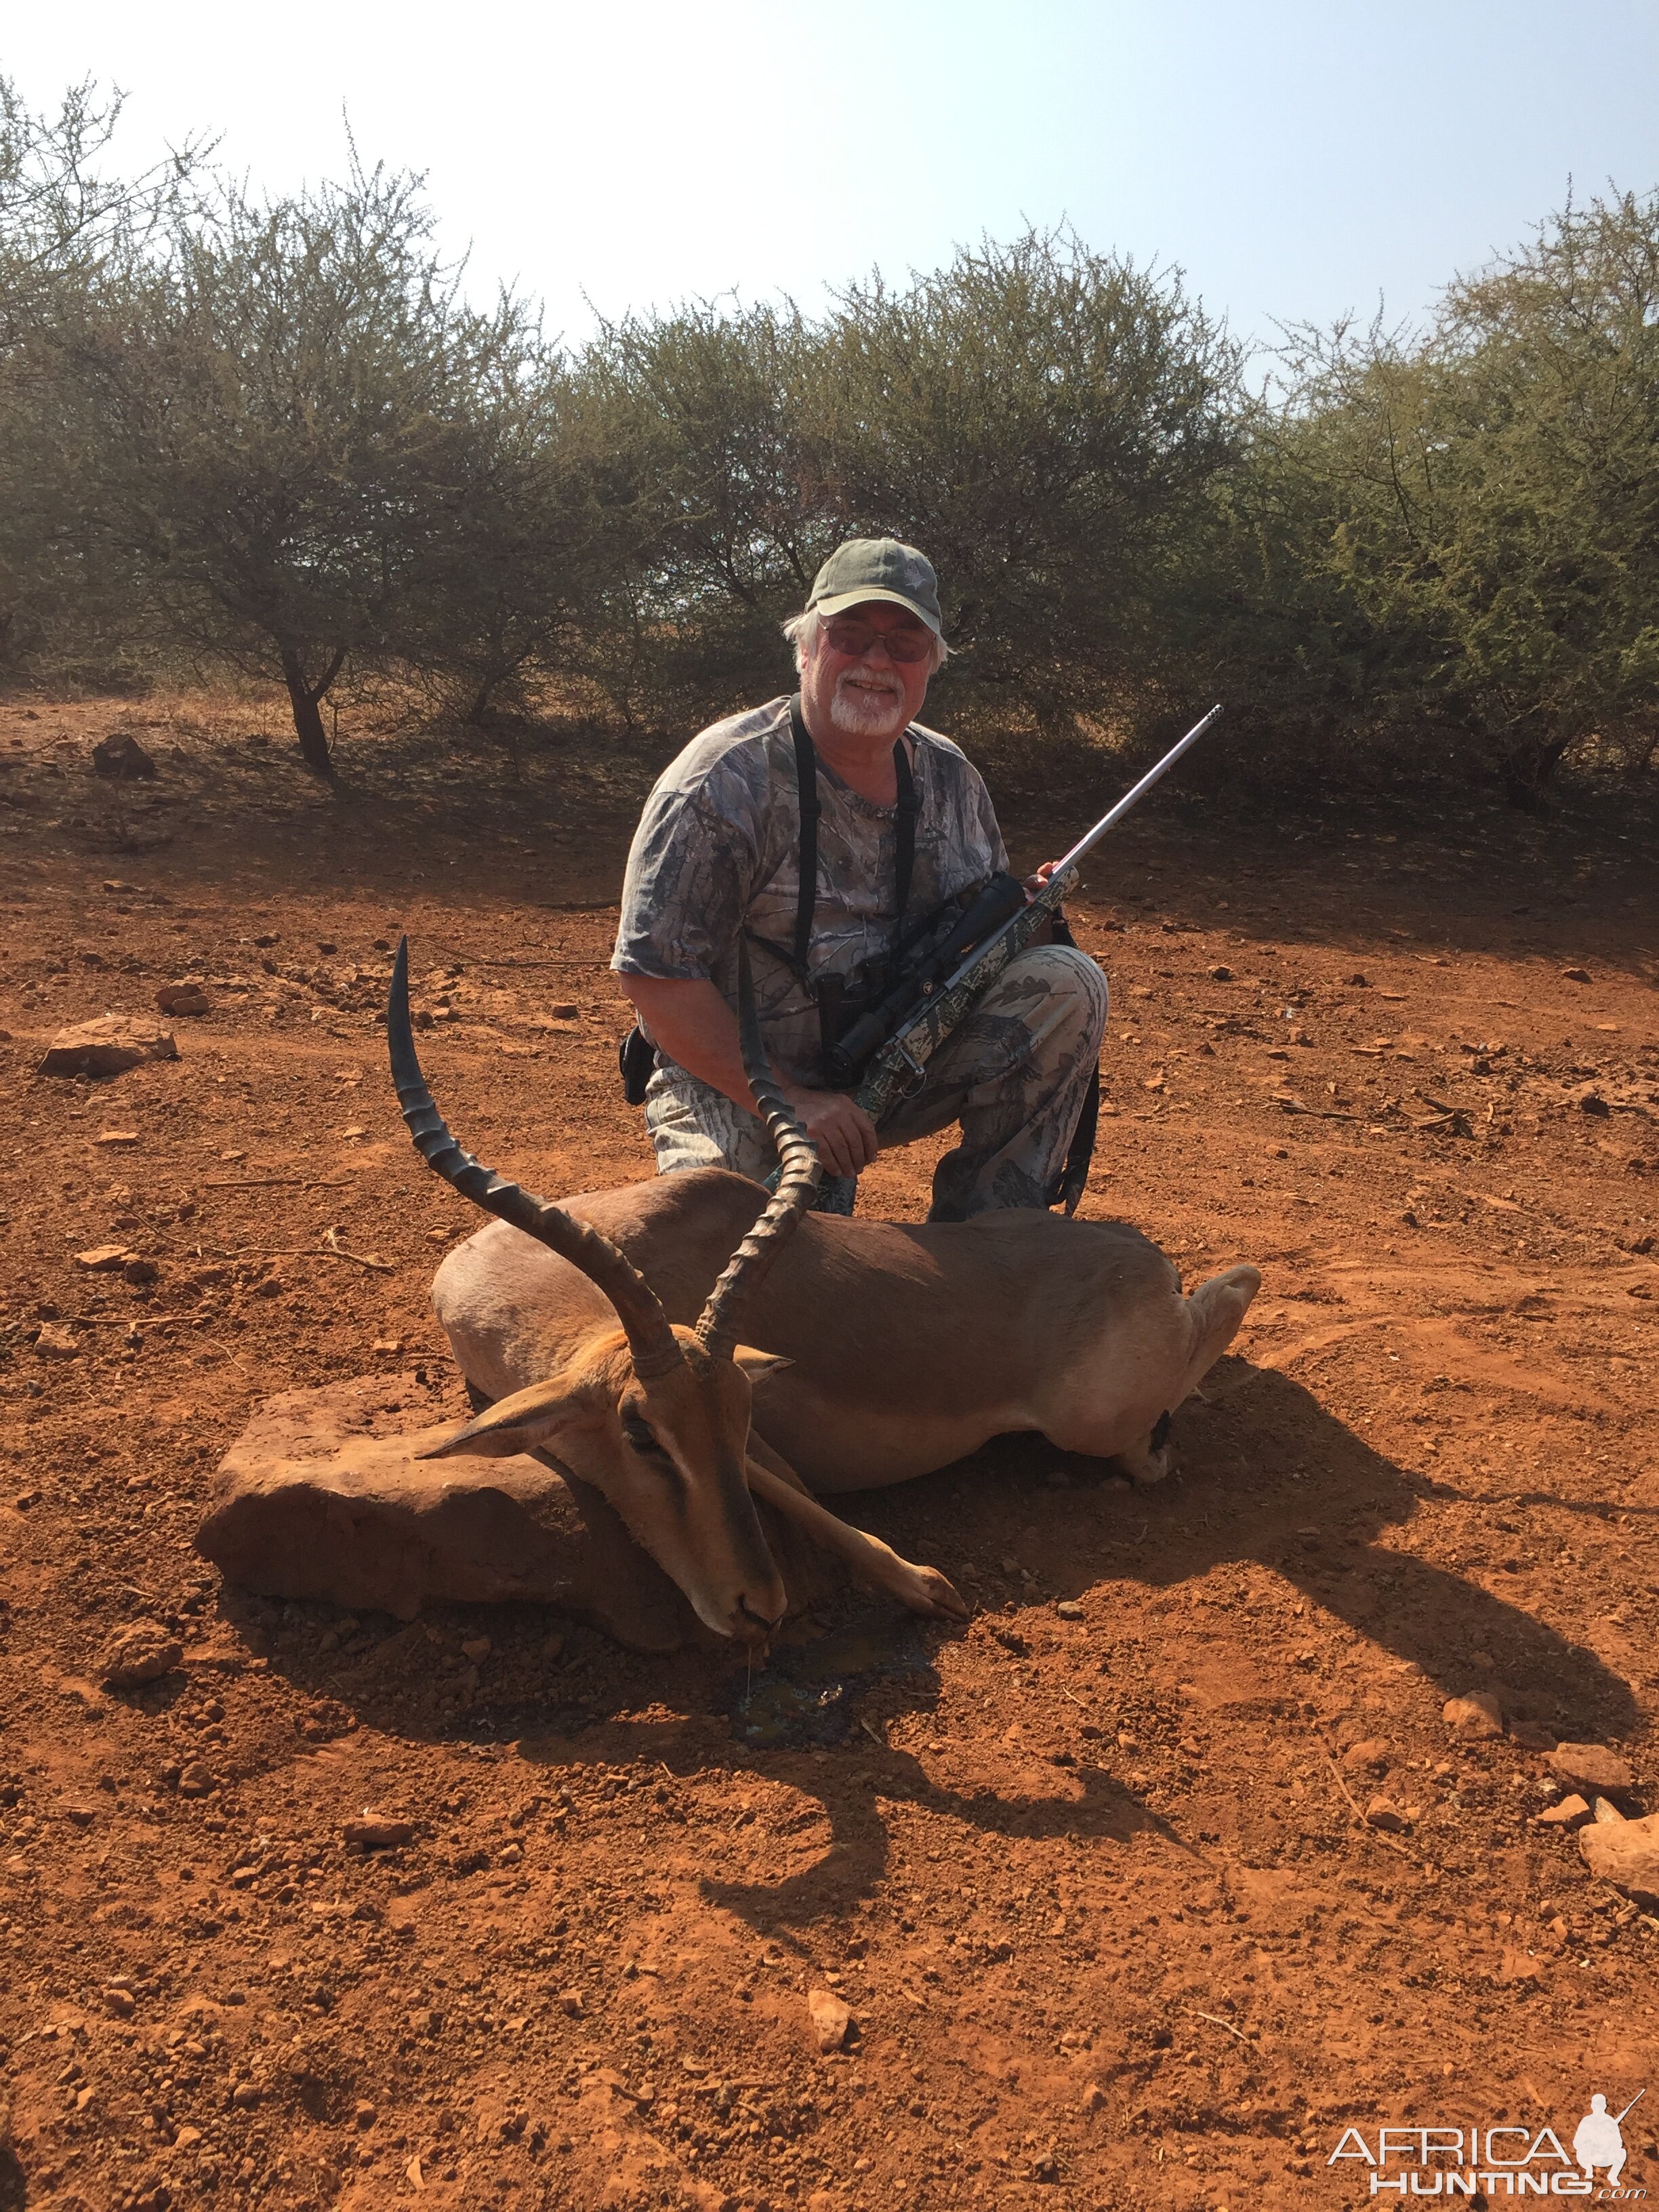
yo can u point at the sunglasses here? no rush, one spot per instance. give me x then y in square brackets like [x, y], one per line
[855, 639]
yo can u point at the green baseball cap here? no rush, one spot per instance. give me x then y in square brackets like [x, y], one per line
[866, 568]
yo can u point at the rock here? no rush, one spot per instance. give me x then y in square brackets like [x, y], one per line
[103, 1259]
[477, 1649]
[1369, 1757]
[1603, 1810]
[116, 1139]
[378, 1832]
[142, 1653]
[58, 1340]
[1571, 1813]
[1625, 1853]
[187, 2139]
[1532, 1735]
[1358, 981]
[1592, 1767]
[1474, 1716]
[1381, 1813]
[364, 2113]
[107, 1046]
[197, 1780]
[244, 2096]
[830, 2019]
[1577, 974]
[182, 999]
[564, 1012]
[121, 2003]
[123, 757]
[1515, 1966]
[1094, 2098]
[138, 1271]
[1069, 1609]
[324, 1496]
[570, 2002]
[1220, 973]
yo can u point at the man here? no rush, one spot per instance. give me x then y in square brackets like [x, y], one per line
[717, 856]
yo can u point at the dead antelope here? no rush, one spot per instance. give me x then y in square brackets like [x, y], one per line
[604, 1332]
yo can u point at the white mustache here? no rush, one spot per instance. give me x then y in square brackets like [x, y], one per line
[869, 682]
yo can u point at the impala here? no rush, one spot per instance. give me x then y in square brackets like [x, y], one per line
[687, 1345]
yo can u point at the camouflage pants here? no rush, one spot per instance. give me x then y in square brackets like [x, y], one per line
[1014, 1076]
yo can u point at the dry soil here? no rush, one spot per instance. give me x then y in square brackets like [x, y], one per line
[1092, 1874]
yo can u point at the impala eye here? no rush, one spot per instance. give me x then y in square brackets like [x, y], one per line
[638, 1436]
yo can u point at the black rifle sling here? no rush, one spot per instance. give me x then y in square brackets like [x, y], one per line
[637, 1056]
[806, 785]
[1067, 1188]
[806, 788]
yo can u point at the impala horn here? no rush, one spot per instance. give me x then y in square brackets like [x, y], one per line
[650, 1339]
[798, 1173]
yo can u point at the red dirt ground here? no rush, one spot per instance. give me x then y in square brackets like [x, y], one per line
[1097, 1890]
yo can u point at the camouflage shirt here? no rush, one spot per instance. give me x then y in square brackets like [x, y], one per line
[717, 852]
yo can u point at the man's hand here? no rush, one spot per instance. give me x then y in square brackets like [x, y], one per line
[693, 1024]
[842, 1133]
[1033, 885]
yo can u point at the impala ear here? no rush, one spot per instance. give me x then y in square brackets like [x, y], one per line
[517, 1424]
[756, 1364]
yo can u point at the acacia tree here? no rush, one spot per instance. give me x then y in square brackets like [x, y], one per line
[274, 394]
[718, 528]
[527, 536]
[1045, 422]
[1042, 421]
[1483, 500]
[63, 220]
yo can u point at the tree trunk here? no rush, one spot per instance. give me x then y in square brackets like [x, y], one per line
[307, 722]
[1528, 769]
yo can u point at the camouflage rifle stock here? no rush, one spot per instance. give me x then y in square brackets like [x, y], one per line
[899, 1067]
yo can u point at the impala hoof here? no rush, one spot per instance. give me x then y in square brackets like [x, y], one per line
[937, 1598]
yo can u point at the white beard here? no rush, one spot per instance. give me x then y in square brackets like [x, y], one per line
[858, 710]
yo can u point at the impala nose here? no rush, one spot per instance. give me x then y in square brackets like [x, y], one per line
[752, 1628]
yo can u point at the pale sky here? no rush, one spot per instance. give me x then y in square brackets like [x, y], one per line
[1299, 161]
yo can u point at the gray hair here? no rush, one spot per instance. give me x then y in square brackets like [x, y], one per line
[802, 632]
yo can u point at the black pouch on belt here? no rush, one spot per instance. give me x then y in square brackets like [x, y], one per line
[636, 1056]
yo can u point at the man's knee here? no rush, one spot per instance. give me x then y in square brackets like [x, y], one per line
[1072, 985]
[693, 1126]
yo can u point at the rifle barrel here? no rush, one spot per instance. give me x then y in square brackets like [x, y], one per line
[1107, 821]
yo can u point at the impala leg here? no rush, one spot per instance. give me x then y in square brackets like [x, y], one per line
[924, 1590]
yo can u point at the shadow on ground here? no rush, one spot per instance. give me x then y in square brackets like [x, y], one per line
[1270, 1477]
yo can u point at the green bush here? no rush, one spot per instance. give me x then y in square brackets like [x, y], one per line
[276, 437]
[1449, 544]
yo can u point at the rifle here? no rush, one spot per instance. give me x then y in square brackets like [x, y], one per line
[886, 1051]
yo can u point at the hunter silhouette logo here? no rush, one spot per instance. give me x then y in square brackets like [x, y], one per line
[1486, 2162]
[1598, 2142]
